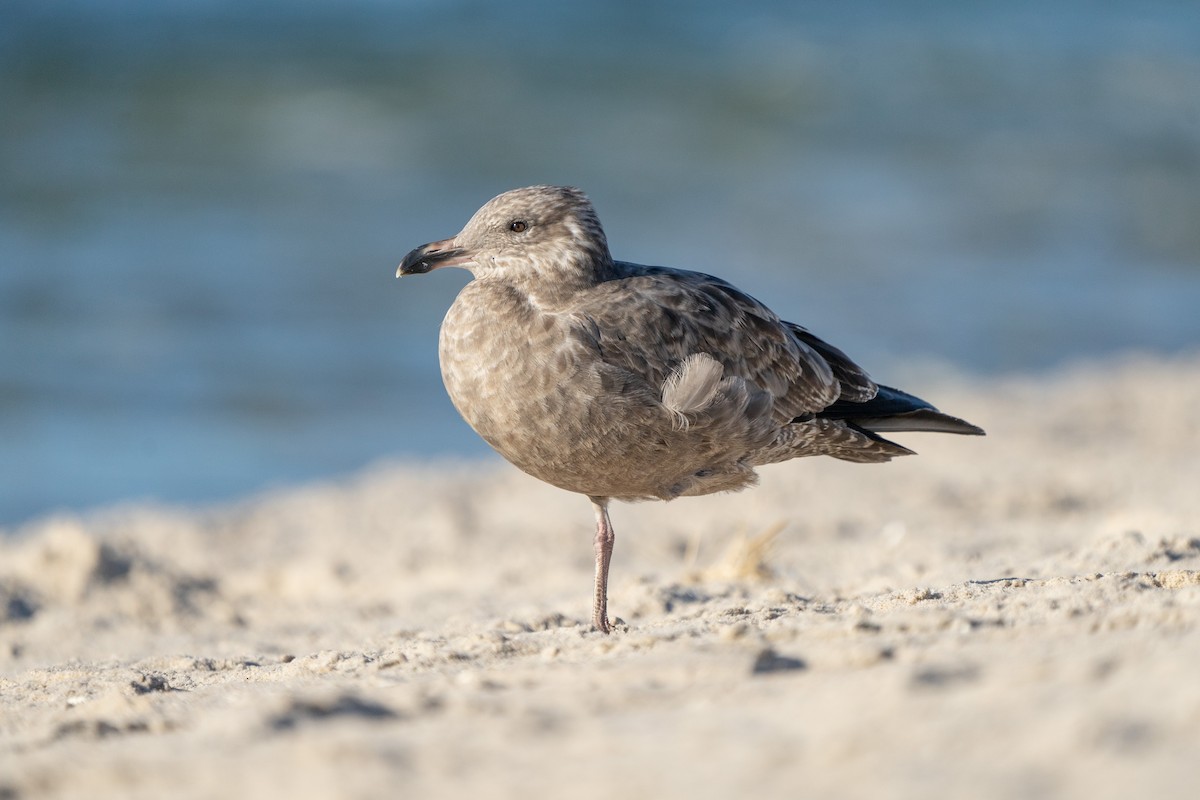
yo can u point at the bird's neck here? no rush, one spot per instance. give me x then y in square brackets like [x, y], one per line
[558, 287]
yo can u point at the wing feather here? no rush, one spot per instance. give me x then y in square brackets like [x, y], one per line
[856, 384]
[649, 320]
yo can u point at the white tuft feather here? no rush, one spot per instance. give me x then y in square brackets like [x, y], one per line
[691, 387]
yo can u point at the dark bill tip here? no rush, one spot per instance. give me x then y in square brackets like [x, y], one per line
[429, 257]
[414, 263]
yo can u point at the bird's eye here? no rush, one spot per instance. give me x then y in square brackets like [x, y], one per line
[518, 227]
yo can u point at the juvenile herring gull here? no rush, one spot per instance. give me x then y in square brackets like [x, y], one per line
[621, 381]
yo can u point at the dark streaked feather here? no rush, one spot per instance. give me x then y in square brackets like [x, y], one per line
[856, 384]
[648, 320]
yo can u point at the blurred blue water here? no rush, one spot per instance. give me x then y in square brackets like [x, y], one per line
[202, 203]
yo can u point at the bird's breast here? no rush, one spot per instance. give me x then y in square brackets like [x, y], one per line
[534, 386]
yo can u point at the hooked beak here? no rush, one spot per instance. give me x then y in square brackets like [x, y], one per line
[430, 256]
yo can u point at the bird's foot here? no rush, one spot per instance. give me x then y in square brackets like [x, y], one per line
[607, 626]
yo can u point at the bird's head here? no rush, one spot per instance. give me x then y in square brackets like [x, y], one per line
[537, 233]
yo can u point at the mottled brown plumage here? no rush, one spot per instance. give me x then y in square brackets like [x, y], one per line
[617, 380]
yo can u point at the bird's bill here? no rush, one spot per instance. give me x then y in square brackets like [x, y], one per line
[430, 256]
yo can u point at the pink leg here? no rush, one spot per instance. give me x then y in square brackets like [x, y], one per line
[604, 547]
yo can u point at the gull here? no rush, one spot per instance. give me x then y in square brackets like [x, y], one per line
[620, 381]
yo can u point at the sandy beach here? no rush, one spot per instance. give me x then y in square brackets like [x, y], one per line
[1009, 617]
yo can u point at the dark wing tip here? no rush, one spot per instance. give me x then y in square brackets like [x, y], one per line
[893, 410]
